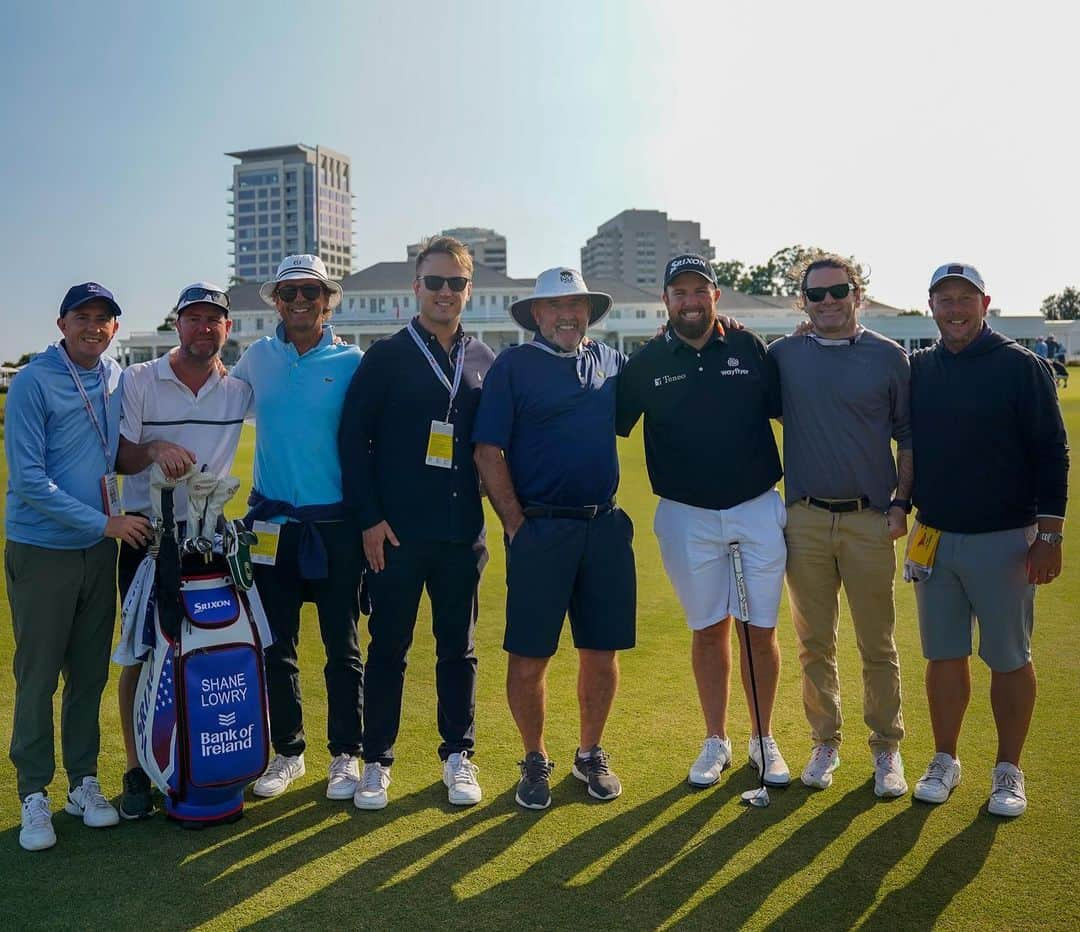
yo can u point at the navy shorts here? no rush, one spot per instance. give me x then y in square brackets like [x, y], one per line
[556, 566]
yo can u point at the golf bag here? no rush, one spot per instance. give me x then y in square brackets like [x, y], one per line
[201, 726]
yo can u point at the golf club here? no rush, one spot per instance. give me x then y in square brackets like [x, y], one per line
[760, 796]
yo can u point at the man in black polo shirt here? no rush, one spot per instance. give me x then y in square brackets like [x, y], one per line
[707, 395]
[409, 477]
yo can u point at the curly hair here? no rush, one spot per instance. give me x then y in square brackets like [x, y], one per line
[819, 259]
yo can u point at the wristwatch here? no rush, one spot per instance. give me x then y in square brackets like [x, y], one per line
[904, 504]
[1051, 537]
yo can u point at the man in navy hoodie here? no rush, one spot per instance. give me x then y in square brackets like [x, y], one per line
[61, 434]
[991, 473]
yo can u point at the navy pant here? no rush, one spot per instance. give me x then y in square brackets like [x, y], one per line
[449, 572]
[283, 592]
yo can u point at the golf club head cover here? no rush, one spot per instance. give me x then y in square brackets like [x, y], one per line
[159, 481]
[200, 486]
[224, 489]
[237, 541]
[167, 573]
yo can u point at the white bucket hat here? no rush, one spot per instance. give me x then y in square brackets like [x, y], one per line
[299, 267]
[559, 283]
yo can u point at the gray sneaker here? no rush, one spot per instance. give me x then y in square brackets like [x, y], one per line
[594, 770]
[534, 789]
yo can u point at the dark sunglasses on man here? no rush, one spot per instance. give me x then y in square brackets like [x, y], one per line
[204, 295]
[288, 293]
[435, 282]
[837, 292]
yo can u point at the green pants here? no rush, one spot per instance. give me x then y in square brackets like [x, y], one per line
[63, 609]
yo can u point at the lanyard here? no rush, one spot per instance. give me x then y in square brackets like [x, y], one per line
[87, 404]
[459, 366]
[578, 354]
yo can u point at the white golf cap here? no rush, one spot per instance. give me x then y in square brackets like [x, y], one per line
[957, 270]
[301, 267]
[559, 282]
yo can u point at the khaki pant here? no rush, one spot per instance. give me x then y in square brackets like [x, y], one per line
[854, 548]
[63, 609]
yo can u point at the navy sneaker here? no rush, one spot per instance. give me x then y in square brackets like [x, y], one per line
[534, 789]
[592, 768]
[137, 801]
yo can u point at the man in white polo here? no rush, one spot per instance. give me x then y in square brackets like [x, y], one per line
[178, 411]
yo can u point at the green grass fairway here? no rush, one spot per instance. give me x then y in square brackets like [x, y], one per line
[661, 856]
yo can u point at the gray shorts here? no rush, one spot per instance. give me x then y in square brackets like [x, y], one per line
[983, 577]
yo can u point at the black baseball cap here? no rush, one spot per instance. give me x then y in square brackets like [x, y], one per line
[688, 262]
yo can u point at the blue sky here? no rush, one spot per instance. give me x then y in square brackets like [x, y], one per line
[905, 136]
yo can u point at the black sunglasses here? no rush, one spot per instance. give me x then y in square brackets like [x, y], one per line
[209, 295]
[287, 293]
[435, 282]
[838, 292]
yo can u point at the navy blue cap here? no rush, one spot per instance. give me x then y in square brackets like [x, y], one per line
[79, 295]
[688, 262]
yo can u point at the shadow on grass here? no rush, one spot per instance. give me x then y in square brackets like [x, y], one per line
[624, 872]
[847, 892]
[737, 901]
[950, 869]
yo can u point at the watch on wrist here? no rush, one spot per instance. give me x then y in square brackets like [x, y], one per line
[904, 504]
[1051, 537]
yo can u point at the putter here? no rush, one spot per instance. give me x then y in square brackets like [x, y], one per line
[759, 797]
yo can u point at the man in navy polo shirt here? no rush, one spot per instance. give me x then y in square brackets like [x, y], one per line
[545, 448]
[707, 394]
[409, 478]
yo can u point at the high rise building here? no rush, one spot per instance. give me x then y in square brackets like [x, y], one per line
[487, 247]
[635, 245]
[286, 200]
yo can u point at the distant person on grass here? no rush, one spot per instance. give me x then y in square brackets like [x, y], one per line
[707, 393]
[178, 411]
[545, 449]
[845, 399]
[991, 479]
[299, 377]
[410, 481]
[62, 522]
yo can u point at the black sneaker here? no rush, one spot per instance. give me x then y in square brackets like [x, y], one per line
[138, 800]
[594, 770]
[533, 790]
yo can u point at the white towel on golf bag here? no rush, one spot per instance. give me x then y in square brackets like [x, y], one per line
[131, 650]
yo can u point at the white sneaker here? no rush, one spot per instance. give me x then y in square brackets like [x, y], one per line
[344, 777]
[715, 756]
[278, 775]
[941, 778]
[889, 775]
[371, 793]
[1007, 796]
[88, 802]
[37, 832]
[459, 775]
[817, 773]
[776, 768]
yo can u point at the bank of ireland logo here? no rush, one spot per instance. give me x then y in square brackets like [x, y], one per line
[732, 361]
[227, 720]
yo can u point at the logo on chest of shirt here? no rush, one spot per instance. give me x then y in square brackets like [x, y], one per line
[733, 367]
[668, 379]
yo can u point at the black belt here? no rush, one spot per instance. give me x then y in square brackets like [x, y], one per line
[840, 506]
[582, 513]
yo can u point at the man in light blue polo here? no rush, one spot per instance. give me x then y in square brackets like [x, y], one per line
[299, 378]
[62, 522]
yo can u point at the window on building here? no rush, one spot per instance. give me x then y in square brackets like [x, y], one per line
[258, 323]
[406, 302]
[639, 313]
[483, 300]
[237, 326]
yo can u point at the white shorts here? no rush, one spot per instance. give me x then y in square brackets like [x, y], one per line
[694, 546]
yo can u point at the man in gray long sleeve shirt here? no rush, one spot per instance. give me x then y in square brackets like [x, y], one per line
[845, 398]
